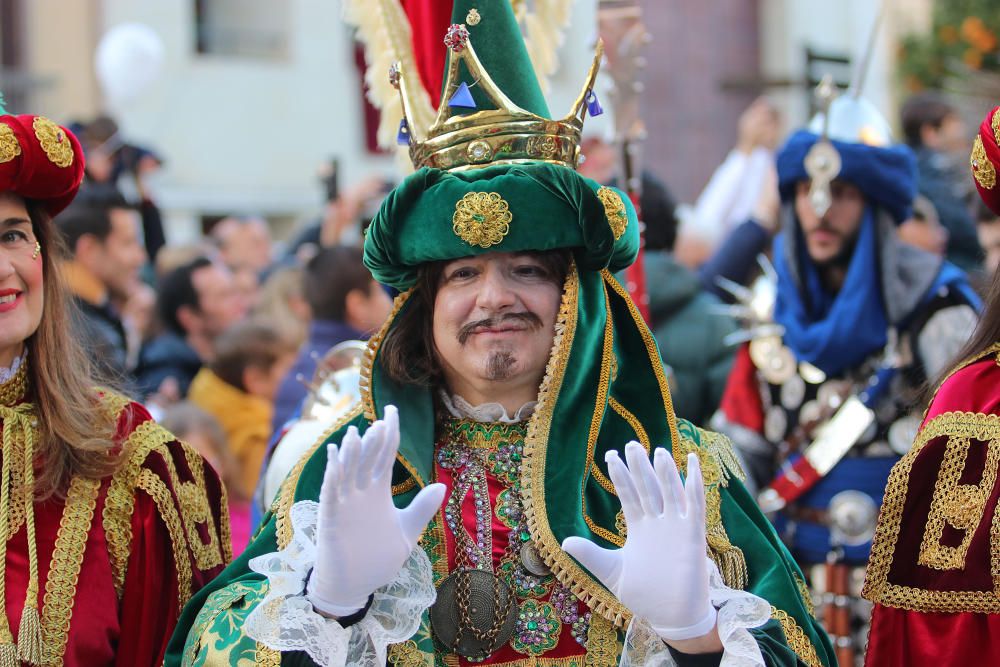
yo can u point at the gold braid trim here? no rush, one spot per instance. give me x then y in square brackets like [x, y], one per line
[807, 598]
[286, 495]
[640, 433]
[797, 638]
[600, 406]
[565, 569]
[368, 360]
[655, 361]
[158, 491]
[961, 427]
[64, 571]
[120, 502]
[602, 644]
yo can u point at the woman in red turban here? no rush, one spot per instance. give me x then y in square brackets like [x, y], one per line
[108, 524]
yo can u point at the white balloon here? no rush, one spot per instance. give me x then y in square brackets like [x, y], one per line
[128, 59]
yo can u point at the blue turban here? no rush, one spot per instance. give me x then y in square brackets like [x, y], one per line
[886, 175]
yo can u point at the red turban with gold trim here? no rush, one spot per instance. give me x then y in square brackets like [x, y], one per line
[985, 160]
[39, 160]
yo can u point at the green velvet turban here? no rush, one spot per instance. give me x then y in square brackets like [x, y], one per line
[439, 215]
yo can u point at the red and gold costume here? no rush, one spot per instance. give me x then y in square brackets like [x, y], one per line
[933, 570]
[118, 557]
[934, 573]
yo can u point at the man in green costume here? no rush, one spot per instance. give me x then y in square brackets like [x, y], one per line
[473, 508]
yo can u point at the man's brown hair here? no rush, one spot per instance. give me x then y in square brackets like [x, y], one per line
[407, 353]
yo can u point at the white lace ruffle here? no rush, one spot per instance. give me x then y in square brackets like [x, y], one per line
[739, 611]
[286, 621]
[487, 412]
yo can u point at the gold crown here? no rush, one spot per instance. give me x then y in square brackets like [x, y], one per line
[505, 135]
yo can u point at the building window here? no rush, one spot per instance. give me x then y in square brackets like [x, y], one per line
[242, 28]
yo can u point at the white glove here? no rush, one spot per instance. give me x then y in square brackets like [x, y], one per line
[661, 574]
[362, 540]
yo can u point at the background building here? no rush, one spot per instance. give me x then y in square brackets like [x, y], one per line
[255, 95]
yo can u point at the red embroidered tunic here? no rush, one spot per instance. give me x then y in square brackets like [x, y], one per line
[480, 465]
[119, 557]
[933, 569]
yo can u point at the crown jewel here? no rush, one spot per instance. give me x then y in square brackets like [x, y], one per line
[504, 134]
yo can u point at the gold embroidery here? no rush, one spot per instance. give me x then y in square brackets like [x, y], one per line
[602, 644]
[652, 351]
[571, 575]
[995, 124]
[482, 218]
[804, 593]
[960, 505]
[406, 485]
[982, 168]
[408, 654]
[215, 604]
[9, 148]
[600, 405]
[120, 501]
[13, 390]
[956, 425]
[614, 210]
[64, 571]
[473, 17]
[194, 510]
[621, 526]
[797, 638]
[54, 141]
[368, 360]
[267, 657]
[158, 491]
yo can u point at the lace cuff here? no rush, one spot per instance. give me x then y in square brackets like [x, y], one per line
[286, 621]
[739, 611]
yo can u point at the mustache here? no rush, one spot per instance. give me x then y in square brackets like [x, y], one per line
[529, 319]
[825, 227]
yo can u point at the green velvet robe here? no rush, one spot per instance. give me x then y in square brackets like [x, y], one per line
[604, 386]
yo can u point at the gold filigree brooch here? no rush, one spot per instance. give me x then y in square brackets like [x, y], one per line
[482, 219]
[9, 148]
[614, 210]
[54, 141]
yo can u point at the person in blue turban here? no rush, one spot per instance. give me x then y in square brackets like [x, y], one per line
[827, 394]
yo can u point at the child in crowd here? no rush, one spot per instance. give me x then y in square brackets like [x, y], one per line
[238, 386]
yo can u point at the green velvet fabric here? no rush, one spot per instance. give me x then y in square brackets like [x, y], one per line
[551, 206]
[498, 43]
[606, 352]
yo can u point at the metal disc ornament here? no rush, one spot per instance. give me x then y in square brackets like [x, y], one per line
[810, 413]
[853, 515]
[793, 392]
[532, 560]
[811, 374]
[902, 433]
[775, 424]
[775, 361]
[474, 614]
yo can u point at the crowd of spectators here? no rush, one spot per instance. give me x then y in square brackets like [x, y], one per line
[221, 337]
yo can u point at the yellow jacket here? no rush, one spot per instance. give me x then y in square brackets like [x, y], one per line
[245, 418]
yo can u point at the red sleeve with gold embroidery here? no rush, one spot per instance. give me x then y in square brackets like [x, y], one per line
[167, 527]
[934, 572]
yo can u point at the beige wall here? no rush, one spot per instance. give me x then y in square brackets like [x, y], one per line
[59, 46]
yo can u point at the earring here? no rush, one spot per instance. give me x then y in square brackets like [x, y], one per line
[38, 250]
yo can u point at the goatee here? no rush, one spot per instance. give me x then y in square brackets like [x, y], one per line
[499, 365]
